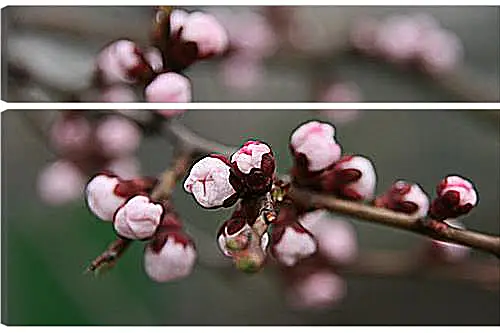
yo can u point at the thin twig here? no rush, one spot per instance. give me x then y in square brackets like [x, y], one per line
[480, 241]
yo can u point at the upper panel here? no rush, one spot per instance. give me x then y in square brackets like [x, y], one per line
[251, 54]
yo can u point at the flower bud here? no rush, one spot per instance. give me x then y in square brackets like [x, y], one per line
[169, 88]
[253, 168]
[398, 38]
[336, 237]
[315, 141]
[352, 177]
[456, 196]
[205, 30]
[208, 182]
[291, 243]
[153, 57]
[138, 218]
[102, 198]
[440, 51]
[60, 183]
[117, 136]
[405, 198]
[70, 133]
[171, 258]
[125, 167]
[121, 62]
[233, 235]
[319, 289]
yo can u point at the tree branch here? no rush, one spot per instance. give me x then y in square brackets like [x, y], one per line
[434, 229]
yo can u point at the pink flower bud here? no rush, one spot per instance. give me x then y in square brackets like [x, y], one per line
[208, 182]
[406, 198]
[250, 156]
[233, 235]
[102, 199]
[117, 136]
[336, 237]
[352, 177]
[316, 142]
[440, 51]
[449, 252]
[208, 34]
[169, 88]
[456, 196]
[317, 290]
[60, 183]
[118, 94]
[291, 243]
[253, 168]
[242, 72]
[70, 133]
[120, 62]
[362, 35]
[178, 18]
[398, 38]
[138, 218]
[174, 260]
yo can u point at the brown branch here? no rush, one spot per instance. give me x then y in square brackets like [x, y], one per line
[484, 242]
[161, 192]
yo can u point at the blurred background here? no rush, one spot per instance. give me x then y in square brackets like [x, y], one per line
[283, 54]
[46, 248]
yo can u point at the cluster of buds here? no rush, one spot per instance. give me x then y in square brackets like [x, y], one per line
[319, 164]
[404, 39]
[169, 254]
[85, 146]
[456, 196]
[256, 226]
[178, 40]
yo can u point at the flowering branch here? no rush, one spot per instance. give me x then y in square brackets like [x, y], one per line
[161, 192]
[427, 227]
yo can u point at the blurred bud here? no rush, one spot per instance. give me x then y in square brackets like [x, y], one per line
[291, 243]
[456, 196]
[342, 92]
[362, 35]
[138, 218]
[242, 72]
[208, 182]
[169, 258]
[449, 252]
[336, 237]
[253, 168]
[316, 142]
[102, 198]
[406, 198]
[121, 61]
[70, 133]
[169, 88]
[233, 235]
[352, 177]
[440, 51]
[203, 29]
[60, 183]
[117, 136]
[398, 38]
[317, 290]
